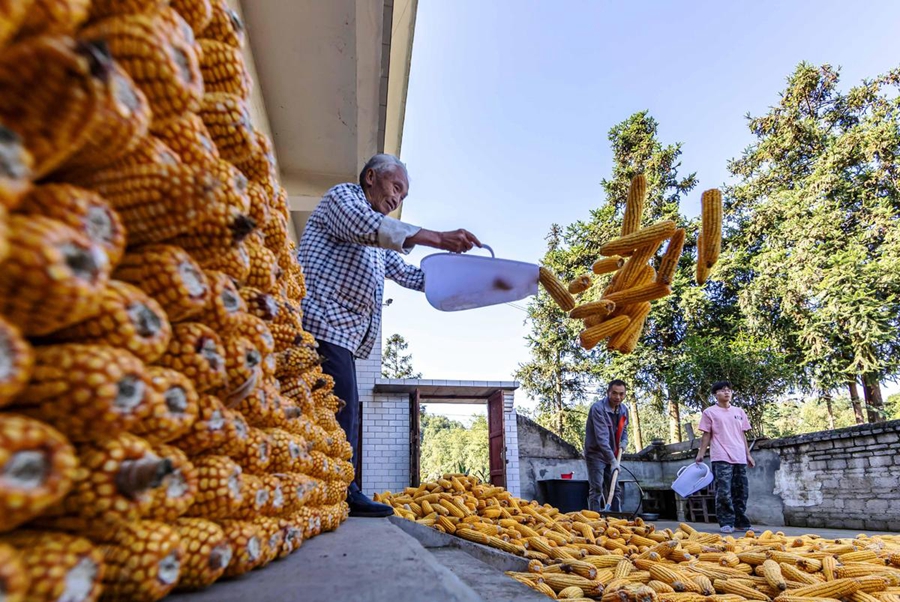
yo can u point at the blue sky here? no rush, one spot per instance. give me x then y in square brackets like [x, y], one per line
[510, 103]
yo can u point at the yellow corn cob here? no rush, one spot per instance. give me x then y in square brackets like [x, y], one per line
[208, 430]
[39, 464]
[49, 260]
[17, 360]
[772, 573]
[174, 408]
[273, 537]
[785, 598]
[223, 69]
[669, 262]
[260, 166]
[294, 360]
[206, 552]
[706, 586]
[197, 13]
[101, 9]
[289, 453]
[711, 212]
[53, 92]
[600, 308]
[606, 265]
[858, 570]
[858, 556]
[12, 15]
[243, 366]
[247, 541]
[665, 574]
[187, 136]
[839, 588]
[593, 335]
[626, 340]
[237, 434]
[560, 581]
[82, 210]
[142, 560]
[259, 207]
[225, 25]
[255, 457]
[660, 587]
[258, 408]
[256, 330]
[198, 353]
[725, 586]
[55, 17]
[234, 262]
[220, 483]
[829, 566]
[570, 593]
[15, 175]
[223, 305]
[729, 559]
[113, 482]
[636, 271]
[580, 284]
[178, 489]
[162, 64]
[124, 122]
[472, 535]
[639, 294]
[641, 238]
[557, 291]
[254, 498]
[275, 230]
[56, 564]
[14, 580]
[792, 573]
[228, 120]
[634, 205]
[264, 268]
[87, 391]
[128, 318]
[874, 583]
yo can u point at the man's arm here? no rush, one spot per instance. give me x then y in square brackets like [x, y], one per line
[600, 422]
[455, 241]
[750, 461]
[704, 444]
[407, 276]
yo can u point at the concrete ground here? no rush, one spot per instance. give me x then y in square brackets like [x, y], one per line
[792, 531]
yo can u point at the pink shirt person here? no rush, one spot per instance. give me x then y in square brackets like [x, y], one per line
[726, 427]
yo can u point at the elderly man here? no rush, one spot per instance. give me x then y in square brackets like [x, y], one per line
[348, 248]
[605, 435]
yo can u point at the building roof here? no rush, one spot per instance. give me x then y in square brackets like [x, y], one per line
[458, 391]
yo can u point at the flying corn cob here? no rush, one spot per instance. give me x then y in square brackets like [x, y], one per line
[208, 430]
[52, 96]
[255, 458]
[57, 566]
[225, 25]
[53, 276]
[16, 362]
[634, 205]
[12, 15]
[227, 118]
[223, 69]
[188, 137]
[669, 262]
[557, 291]
[601, 308]
[641, 238]
[162, 64]
[178, 489]
[711, 232]
[38, 466]
[606, 265]
[14, 580]
[579, 284]
[82, 210]
[173, 409]
[128, 318]
[87, 391]
[702, 272]
[206, 552]
[15, 171]
[635, 270]
[246, 540]
[142, 560]
[112, 483]
[169, 275]
[197, 13]
[224, 304]
[593, 335]
[647, 292]
[220, 485]
[198, 353]
[626, 340]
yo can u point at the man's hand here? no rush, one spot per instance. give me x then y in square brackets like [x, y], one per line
[750, 461]
[699, 459]
[455, 241]
[614, 466]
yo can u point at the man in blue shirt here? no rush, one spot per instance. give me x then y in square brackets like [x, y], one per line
[605, 435]
[348, 248]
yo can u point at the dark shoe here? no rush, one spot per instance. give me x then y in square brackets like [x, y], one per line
[743, 527]
[362, 506]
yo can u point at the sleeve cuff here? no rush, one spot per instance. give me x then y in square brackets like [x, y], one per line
[392, 233]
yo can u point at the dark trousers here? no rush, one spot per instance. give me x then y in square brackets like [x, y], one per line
[599, 480]
[340, 365]
[732, 491]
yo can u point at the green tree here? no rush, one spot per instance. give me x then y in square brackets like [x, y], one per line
[448, 446]
[814, 238]
[393, 363]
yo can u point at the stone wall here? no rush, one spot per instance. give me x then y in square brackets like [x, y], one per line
[543, 455]
[844, 478]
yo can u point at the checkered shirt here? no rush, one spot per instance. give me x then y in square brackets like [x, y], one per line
[346, 251]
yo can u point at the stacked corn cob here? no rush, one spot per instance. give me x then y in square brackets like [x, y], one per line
[163, 417]
[581, 556]
[621, 310]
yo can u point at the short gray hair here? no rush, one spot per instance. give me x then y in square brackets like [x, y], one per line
[380, 163]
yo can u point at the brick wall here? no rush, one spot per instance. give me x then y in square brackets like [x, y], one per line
[511, 437]
[844, 478]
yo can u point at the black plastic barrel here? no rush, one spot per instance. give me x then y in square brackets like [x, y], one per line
[569, 495]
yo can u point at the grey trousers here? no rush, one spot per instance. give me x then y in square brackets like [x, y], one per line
[599, 480]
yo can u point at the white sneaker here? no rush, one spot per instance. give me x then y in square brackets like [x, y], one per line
[727, 529]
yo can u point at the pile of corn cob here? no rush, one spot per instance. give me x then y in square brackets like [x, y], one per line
[622, 308]
[581, 556]
[164, 420]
